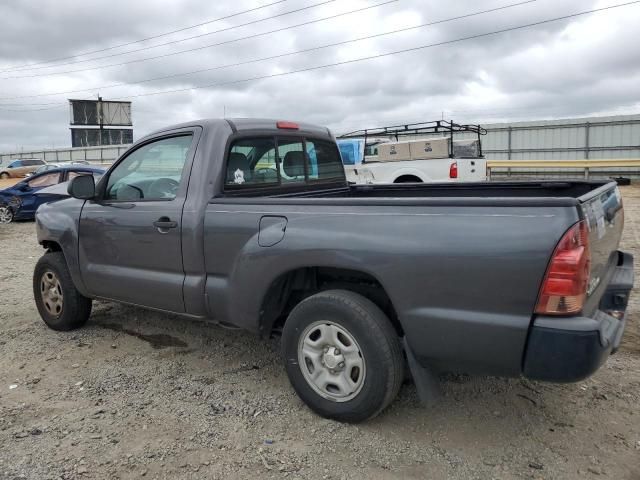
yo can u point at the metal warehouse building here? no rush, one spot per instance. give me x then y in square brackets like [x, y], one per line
[569, 139]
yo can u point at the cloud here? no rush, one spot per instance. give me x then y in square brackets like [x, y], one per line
[585, 65]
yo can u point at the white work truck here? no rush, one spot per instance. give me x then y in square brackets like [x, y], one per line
[439, 151]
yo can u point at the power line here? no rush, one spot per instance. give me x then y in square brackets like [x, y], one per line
[476, 115]
[226, 17]
[388, 54]
[272, 57]
[58, 105]
[233, 27]
[256, 35]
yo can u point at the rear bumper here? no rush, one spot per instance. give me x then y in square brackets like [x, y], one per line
[571, 349]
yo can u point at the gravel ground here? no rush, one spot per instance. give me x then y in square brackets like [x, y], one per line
[141, 394]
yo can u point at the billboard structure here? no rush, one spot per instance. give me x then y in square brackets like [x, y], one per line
[99, 122]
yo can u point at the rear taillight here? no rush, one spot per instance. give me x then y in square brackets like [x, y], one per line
[564, 288]
[453, 170]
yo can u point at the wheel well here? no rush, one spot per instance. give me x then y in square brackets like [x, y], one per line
[292, 287]
[51, 246]
[408, 179]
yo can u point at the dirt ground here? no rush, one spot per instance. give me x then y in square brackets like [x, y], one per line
[141, 394]
[4, 183]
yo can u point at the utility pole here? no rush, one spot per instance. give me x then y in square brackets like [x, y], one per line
[100, 120]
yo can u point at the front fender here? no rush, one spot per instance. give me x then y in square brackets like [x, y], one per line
[58, 223]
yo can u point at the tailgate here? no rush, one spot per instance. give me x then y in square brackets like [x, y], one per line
[602, 209]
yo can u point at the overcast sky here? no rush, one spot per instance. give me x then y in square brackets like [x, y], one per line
[576, 67]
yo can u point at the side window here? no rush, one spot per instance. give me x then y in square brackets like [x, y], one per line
[371, 150]
[151, 172]
[45, 180]
[72, 175]
[252, 161]
[15, 164]
[324, 160]
[292, 160]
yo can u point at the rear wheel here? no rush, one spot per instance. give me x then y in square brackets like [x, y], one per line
[59, 303]
[342, 355]
[6, 214]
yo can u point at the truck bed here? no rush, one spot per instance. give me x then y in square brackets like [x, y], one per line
[480, 190]
[501, 235]
[520, 194]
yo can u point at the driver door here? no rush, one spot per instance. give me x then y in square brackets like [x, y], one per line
[130, 246]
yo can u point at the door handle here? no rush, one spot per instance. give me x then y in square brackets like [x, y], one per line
[164, 223]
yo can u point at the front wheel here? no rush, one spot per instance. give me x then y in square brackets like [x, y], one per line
[4, 175]
[342, 355]
[59, 303]
[6, 214]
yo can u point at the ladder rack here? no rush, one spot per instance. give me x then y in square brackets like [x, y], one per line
[436, 126]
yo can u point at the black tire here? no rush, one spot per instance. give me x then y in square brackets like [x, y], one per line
[378, 343]
[74, 309]
[4, 175]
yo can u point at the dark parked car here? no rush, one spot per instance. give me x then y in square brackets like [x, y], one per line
[20, 202]
[253, 223]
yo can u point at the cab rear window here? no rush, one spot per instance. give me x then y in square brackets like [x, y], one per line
[256, 162]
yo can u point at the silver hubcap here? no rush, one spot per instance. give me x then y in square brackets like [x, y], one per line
[331, 361]
[5, 215]
[51, 292]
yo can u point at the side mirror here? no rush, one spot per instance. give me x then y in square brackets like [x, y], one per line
[24, 187]
[82, 187]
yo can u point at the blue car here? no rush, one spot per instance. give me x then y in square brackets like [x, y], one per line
[19, 202]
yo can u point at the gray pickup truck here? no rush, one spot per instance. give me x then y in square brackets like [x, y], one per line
[252, 223]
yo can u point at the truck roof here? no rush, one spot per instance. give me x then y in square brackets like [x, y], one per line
[262, 125]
